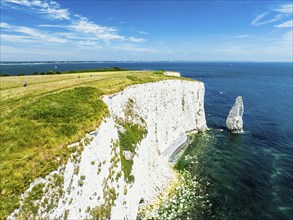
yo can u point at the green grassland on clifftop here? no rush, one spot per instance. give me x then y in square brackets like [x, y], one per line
[40, 120]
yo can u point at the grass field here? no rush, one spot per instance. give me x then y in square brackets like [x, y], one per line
[40, 120]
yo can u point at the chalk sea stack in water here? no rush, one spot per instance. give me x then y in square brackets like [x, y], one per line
[234, 121]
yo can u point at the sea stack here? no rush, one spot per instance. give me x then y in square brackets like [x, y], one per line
[234, 121]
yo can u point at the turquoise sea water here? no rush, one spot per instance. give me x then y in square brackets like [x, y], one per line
[250, 174]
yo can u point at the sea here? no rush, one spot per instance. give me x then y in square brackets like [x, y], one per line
[250, 174]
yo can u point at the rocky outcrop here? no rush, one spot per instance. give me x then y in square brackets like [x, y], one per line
[234, 120]
[172, 73]
[128, 155]
[104, 180]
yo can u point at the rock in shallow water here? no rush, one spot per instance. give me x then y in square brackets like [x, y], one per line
[234, 121]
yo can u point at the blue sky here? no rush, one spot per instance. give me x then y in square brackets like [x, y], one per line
[33, 30]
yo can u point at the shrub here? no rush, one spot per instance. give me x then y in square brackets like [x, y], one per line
[160, 72]
[80, 183]
[132, 135]
[4, 74]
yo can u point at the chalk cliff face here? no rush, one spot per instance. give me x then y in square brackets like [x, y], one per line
[96, 181]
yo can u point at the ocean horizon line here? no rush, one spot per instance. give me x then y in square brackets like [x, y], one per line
[131, 61]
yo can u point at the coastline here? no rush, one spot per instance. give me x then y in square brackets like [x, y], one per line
[177, 148]
[149, 210]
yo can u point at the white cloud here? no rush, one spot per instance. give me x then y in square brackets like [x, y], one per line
[18, 2]
[143, 32]
[88, 43]
[283, 11]
[16, 38]
[109, 37]
[134, 48]
[59, 14]
[241, 36]
[50, 8]
[51, 25]
[37, 3]
[94, 32]
[4, 25]
[135, 40]
[80, 26]
[71, 31]
[30, 33]
[85, 26]
[287, 8]
[39, 35]
[287, 24]
[92, 29]
[259, 19]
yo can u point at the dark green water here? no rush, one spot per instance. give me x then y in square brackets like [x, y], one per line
[236, 191]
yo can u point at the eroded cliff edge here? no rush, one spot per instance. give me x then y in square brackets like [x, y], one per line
[125, 161]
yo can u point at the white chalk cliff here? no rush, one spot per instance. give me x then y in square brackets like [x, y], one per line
[92, 184]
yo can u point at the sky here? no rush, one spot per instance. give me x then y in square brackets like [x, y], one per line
[81, 30]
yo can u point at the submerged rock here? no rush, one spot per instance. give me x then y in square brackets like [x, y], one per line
[234, 121]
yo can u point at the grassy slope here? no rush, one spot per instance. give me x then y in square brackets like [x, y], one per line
[38, 121]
